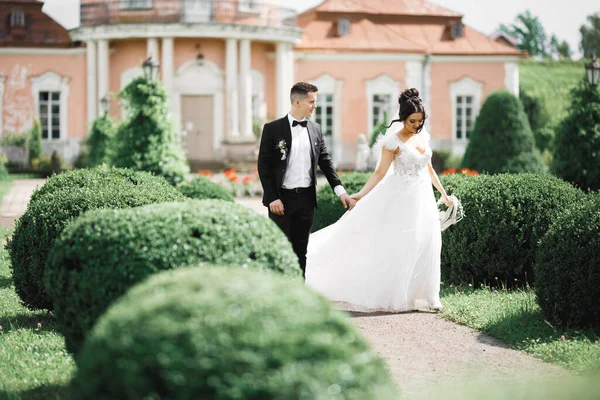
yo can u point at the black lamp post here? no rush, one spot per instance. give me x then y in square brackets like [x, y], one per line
[593, 71]
[104, 104]
[150, 69]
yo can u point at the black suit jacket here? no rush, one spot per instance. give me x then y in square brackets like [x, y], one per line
[271, 168]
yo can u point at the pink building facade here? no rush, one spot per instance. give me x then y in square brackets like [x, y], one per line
[228, 65]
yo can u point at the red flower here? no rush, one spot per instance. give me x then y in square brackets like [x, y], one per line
[205, 172]
[229, 172]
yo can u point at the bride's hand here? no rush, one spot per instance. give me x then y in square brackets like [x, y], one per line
[356, 196]
[446, 200]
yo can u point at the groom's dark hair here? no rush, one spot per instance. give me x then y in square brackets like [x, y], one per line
[301, 89]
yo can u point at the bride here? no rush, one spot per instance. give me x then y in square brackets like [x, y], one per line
[384, 255]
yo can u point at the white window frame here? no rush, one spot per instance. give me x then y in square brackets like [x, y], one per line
[465, 87]
[17, 18]
[343, 28]
[248, 6]
[329, 85]
[52, 82]
[382, 85]
[135, 4]
[50, 116]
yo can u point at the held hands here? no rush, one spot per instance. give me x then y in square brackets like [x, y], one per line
[347, 201]
[276, 207]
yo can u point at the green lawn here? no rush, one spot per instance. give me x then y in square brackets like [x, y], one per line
[514, 317]
[551, 80]
[33, 361]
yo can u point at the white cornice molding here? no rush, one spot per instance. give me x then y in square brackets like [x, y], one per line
[370, 57]
[474, 59]
[229, 31]
[41, 51]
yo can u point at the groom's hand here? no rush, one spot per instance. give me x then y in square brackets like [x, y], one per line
[276, 207]
[347, 202]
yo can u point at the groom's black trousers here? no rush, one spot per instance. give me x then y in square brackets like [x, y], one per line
[297, 219]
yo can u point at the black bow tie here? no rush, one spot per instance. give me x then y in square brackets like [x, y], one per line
[301, 123]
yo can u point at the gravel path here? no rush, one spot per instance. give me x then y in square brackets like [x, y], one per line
[423, 349]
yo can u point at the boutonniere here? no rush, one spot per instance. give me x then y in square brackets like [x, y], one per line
[282, 146]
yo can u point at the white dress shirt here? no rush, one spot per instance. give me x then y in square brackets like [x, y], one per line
[299, 165]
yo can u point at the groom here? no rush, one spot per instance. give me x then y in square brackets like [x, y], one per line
[290, 150]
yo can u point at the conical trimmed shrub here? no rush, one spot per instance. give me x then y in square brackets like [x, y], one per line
[502, 140]
[577, 142]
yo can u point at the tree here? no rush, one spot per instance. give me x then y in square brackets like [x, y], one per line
[147, 140]
[530, 33]
[99, 140]
[35, 140]
[590, 36]
[577, 140]
[561, 49]
[502, 140]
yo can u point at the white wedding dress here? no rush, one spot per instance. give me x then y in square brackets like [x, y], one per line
[384, 255]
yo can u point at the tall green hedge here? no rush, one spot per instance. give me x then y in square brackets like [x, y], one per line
[502, 140]
[329, 207]
[104, 252]
[59, 201]
[577, 142]
[203, 188]
[213, 333]
[505, 217]
[99, 141]
[147, 140]
[568, 267]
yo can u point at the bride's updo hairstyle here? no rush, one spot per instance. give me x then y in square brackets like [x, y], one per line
[410, 103]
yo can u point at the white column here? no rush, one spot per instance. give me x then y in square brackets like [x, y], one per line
[231, 85]
[245, 90]
[281, 80]
[290, 67]
[92, 93]
[166, 66]
[152, 49]
[103, 71]
[511, 77]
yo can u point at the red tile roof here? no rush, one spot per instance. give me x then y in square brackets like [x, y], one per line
[389, 7]
[408, 29]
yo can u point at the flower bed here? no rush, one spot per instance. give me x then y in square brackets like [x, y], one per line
[240, 185]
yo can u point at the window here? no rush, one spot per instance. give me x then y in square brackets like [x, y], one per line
[248, 6]
[343, 27]
[136, 4]
[464, 117]
[465, 97]
[17, 18]
[324, 113]
[381, 105]
[457, 30]
[49, 113]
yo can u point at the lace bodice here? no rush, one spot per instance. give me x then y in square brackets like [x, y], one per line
[409, 162]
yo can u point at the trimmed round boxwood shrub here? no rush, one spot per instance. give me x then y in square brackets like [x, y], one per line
[567, 268]
[203, 188]
[213, 333]
[577, 142]
[103, 253]
[505, 217]
[60, 200]
[329, 209]
[502, 140]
